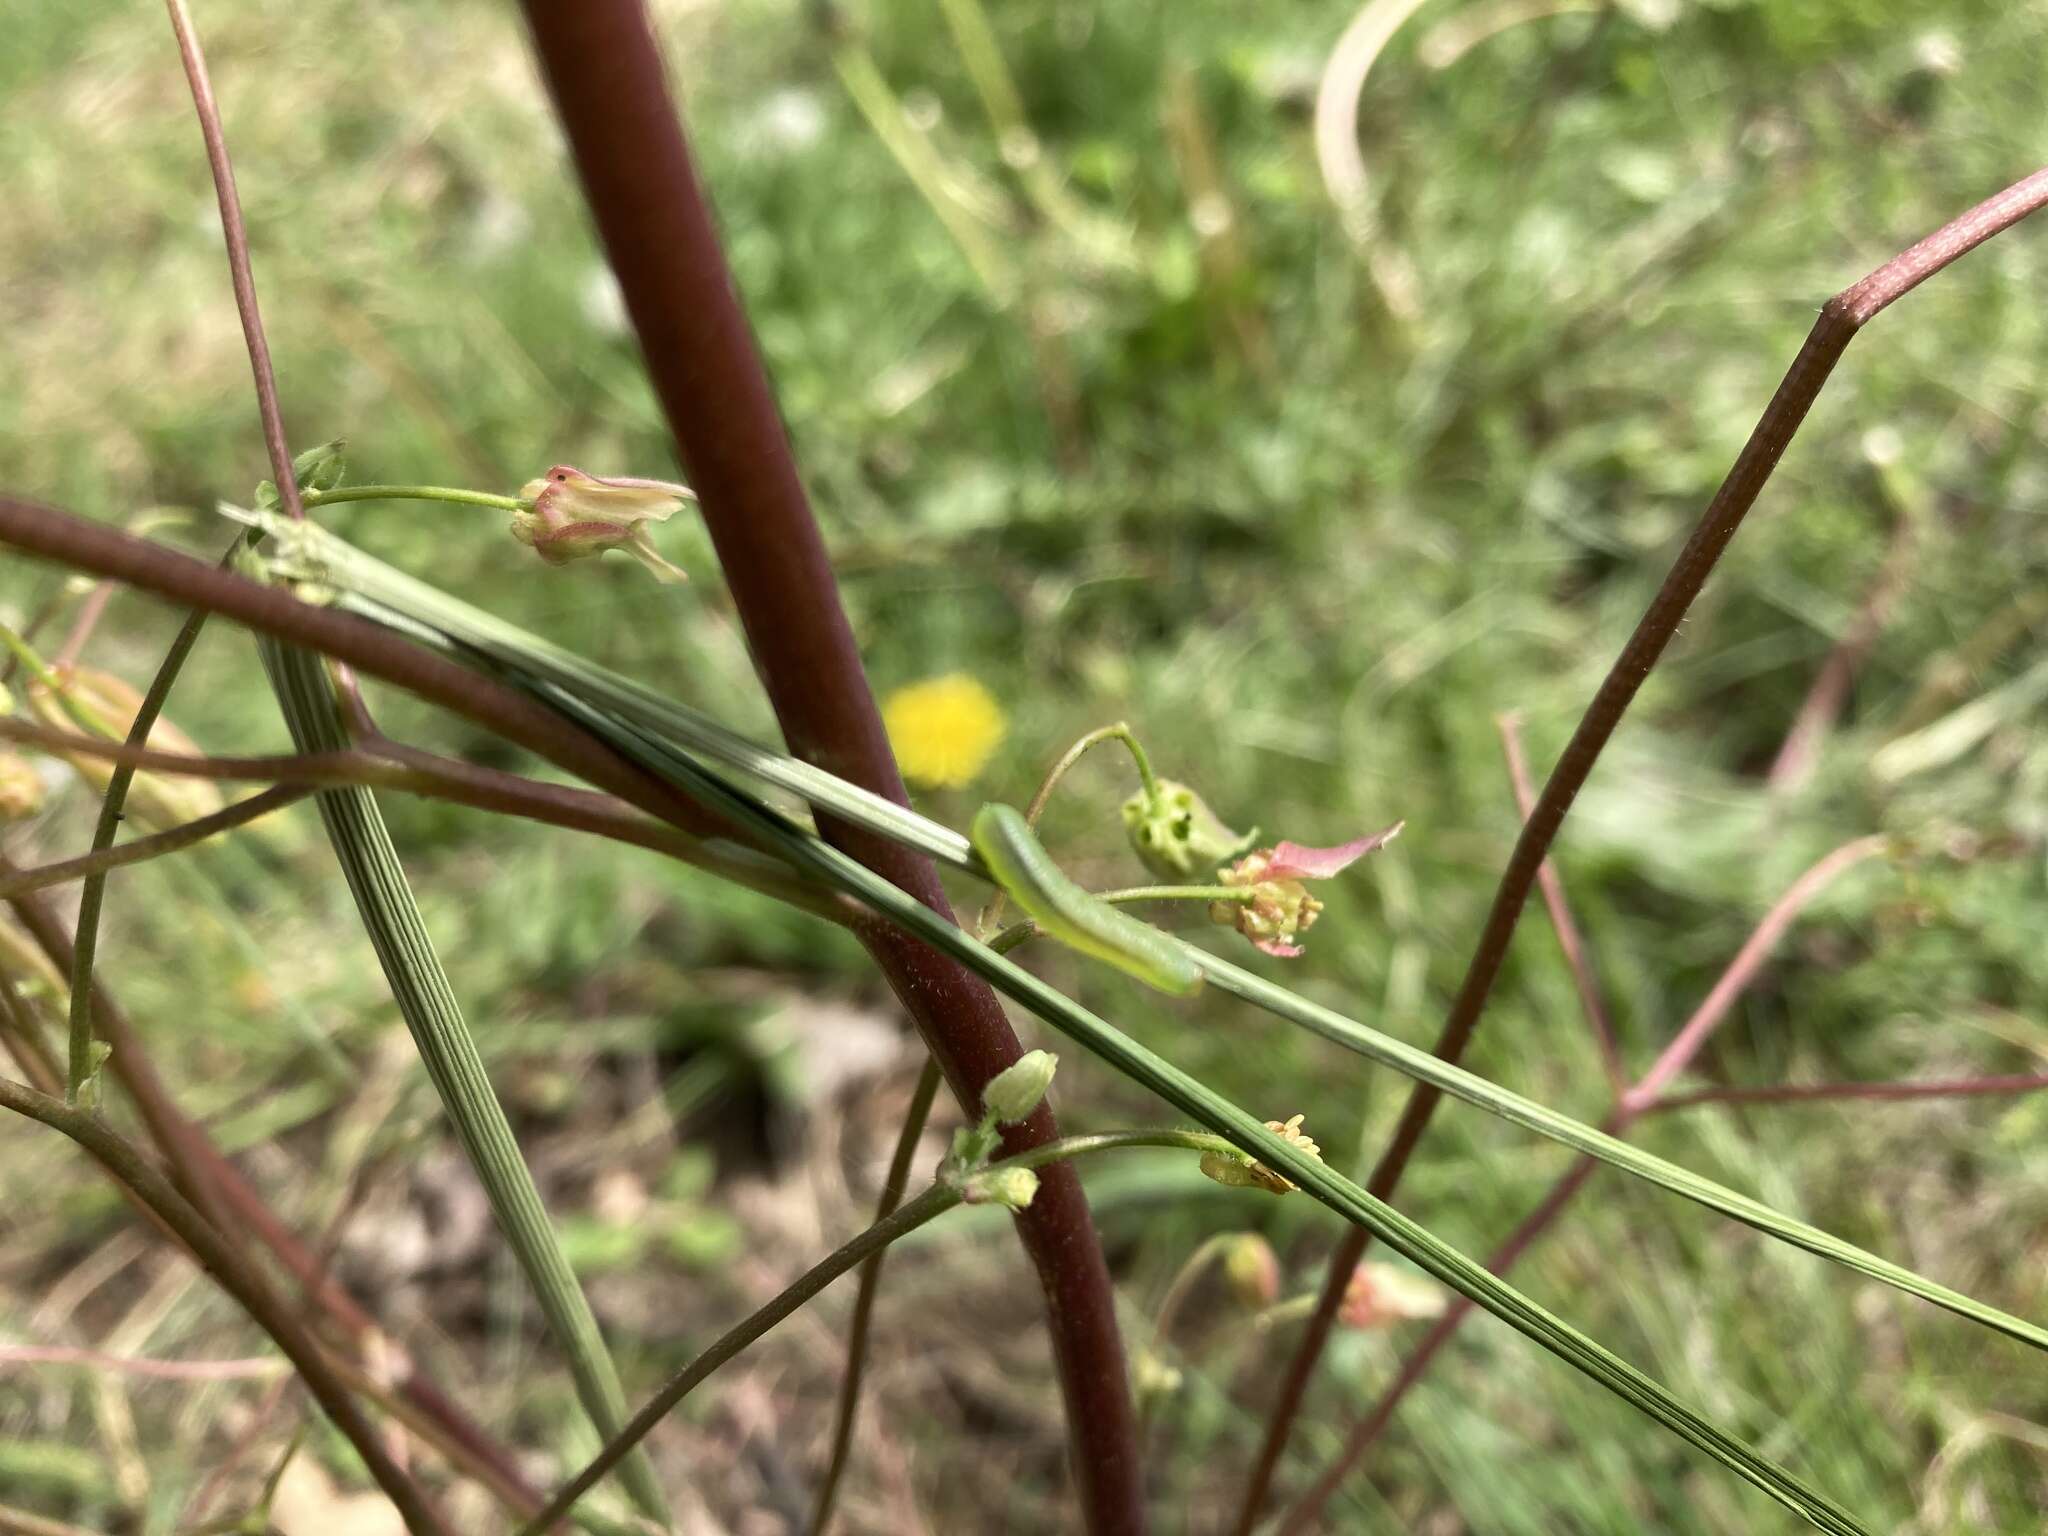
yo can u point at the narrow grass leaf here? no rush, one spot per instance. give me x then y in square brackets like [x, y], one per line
[427, 1001]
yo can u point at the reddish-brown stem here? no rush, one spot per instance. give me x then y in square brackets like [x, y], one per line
[1373, 1425]
[1811, 1093]
[1416, 1364]
[604, 73]
[1562, 922]
[1840, 319]
[81, 545]
[239, 271]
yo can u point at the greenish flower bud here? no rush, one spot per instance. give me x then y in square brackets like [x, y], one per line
[1013, 1093]
[1252, 1270]
[317, 469]
[1177, 836]
[1013, 1187]
[321, 468]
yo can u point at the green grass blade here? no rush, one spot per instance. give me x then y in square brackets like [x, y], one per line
[420, 985]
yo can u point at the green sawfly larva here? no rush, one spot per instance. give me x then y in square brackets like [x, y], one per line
[1076, 918]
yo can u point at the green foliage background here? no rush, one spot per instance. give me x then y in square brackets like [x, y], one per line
[1310, 588]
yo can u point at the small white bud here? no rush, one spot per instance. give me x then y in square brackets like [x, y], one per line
[1013, 1093]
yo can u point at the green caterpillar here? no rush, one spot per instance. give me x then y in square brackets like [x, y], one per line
[1064, 911]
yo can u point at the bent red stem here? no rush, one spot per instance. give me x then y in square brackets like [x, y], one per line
[1840, 319]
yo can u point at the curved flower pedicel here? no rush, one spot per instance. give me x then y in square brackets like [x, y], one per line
[571, 515]
[1280, 906]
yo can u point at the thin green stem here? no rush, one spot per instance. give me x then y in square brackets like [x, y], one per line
[870, 1284]
[25, 654]
[1133, 893]
[1121, 731]
[447, 493]
[426, 1001]
[92, 895]
[934, 1202]
[1205, 1254]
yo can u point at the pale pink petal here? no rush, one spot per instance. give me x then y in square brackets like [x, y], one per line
[1275, 947]
[1292, 861]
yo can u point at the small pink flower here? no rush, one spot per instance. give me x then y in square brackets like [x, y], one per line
[1280, 907]
[572, 516]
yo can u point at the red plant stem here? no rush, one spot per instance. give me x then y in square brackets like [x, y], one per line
[155, 846]
[605, 75]
[1810, 1093]
[1840, 319]
[237, 236]
[1561, 921]
[381, 763]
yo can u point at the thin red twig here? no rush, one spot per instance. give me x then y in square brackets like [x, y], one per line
[204, 1176]
[236, 234]
[157, 845]
[1840, 319]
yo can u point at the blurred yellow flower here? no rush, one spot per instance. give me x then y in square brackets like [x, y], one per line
[943, 729]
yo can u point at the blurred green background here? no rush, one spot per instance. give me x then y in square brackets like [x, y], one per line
[1104, 408]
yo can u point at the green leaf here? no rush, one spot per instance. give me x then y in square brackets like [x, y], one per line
[427, 1001]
